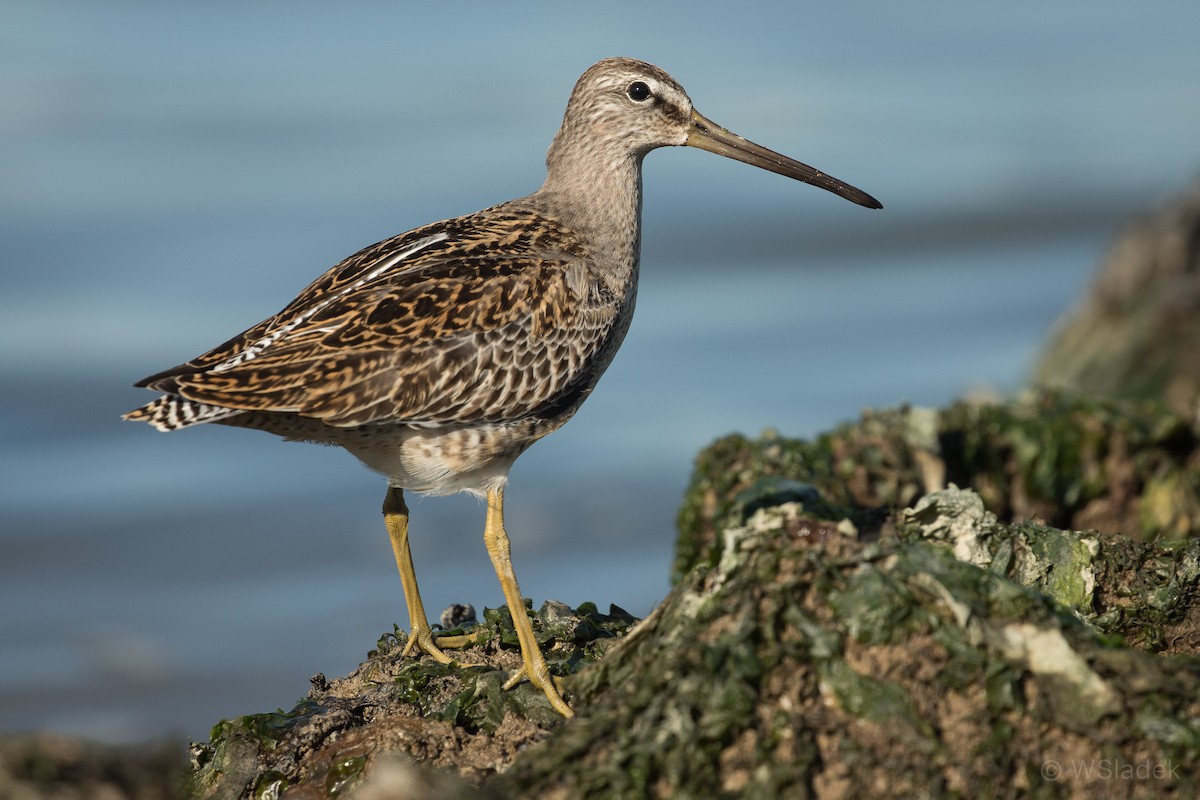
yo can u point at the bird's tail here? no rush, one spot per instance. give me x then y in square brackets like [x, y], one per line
[171, 412]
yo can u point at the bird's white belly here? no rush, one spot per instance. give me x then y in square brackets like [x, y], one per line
[444, 460]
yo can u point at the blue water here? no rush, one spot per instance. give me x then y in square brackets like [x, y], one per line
[172, 173]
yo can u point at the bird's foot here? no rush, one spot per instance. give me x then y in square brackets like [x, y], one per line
[551, 685]
[423, 637]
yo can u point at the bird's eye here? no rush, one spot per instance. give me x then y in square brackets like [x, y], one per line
[638, 91]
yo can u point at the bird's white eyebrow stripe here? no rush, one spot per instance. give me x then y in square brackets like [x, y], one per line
[262, 344]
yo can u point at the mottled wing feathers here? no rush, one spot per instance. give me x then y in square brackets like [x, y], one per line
[464, 321]
[394, 255]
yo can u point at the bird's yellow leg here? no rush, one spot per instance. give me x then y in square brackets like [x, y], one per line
[395, 516]
[496, 539]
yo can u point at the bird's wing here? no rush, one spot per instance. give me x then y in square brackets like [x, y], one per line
[466, 320]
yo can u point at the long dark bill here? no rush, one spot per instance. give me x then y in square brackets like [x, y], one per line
[708, 135]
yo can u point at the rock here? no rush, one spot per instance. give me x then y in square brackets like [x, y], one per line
[843, 625]
[393, 713]
[1136, 334]
[847, 621]
[1071, 462]
[809, 662]
[63, 767]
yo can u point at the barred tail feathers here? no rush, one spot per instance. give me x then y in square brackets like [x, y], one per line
[171, 413]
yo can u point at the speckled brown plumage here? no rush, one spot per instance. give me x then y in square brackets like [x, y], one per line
[495, 318]
[439, 355]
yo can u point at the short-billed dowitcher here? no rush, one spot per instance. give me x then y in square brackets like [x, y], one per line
[439, 355]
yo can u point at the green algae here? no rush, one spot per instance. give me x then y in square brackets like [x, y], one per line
[343, 774]
[1070, 462]
[269, 785]
[871, 604]
[231, 760]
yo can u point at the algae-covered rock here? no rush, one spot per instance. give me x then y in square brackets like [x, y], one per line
[396, 710]
[1067, 461]
[846, 622]
[1148, 593]
[808, 662]
[1136, 333]
[64, 767]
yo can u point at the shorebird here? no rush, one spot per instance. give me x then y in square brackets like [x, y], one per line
[438, 356]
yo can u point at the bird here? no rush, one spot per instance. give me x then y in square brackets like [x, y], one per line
[438, 356]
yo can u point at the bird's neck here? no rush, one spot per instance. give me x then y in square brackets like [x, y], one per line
[600, 198]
